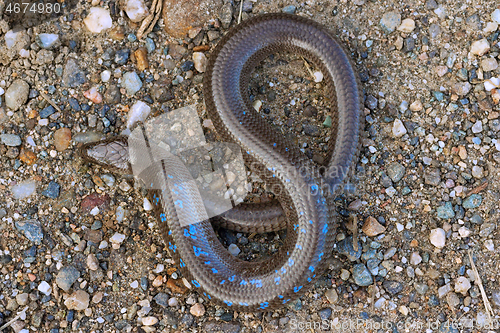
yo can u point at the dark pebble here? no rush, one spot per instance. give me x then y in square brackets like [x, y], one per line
[73, 103]
[433, 300]
[325, 313]
[311, 130]
[52, 190]
[70, 316]
[85, 107]
[227, 316]
[187, 320]
[393, 287]
[46, 112]
[345, 247]
[161, 299]
[112, 95]
[121, 56]
[371, 102]
[33, 93]
[187, 66]
[310, 111]
[121, 324]
[5, 259]
[144, 283]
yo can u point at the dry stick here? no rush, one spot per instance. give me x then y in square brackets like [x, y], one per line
[13, 319]
[478, 281]
[241, 9]
[47, 98]
[149, 22]
[308, 68]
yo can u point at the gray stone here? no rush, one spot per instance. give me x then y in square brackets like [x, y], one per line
[432, 176]
[226, 14]
[11, 140]
[445, 211]
[73, 76]
[31, 229]
[395, 171]
[289, 9]
[361, 275]
[345, 247]
[131, 82]
[390, 21]
[17, 94]
[66, 277]
[393, 287]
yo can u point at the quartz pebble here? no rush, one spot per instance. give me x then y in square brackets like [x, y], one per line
[407, 25]
[98, 20]
[131, 82]
[149, 321]
[462, 285]
[197, 310]
[44, 288]
[438, 237]
[390, 21]
[489, 64]
[79, 300]
[233, 249]
[92, 262]
[94, 95]
[480, 47]
[495, 16]
[136, 10]
[398, 129]
[318, 76]
[138, 113]
[62, 138]
[23, 189]
[117, 238]
[47, 40]
[200, 61]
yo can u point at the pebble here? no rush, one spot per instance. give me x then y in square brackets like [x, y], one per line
[461, 88]
[432, 176]
[79, 300]
[44, 288]
[332, 296]
[117, 238]
[46, 41]
[415, 258]
[421, 288]
[200, 61]
[17, 94]
[23, 189]
[197, 310]
[11, 140]
[138, 113]
[47, 112]
[371, 102]
[477, 127]
[372, 227]
[395, 171]
[398, 129]
[489, 64]
[318, 76]
[92, 262]
[73, 76]
[480, 47]
[495, 16]
[93, 95]
[345, 247]
[98, 20]
[390, 21]
[445, 211]
[52, 190]
[234, 249]
[462, 285]
[66, 277]
[62, 138]
[149, 321]
[407, 25]
[438, 237]
[22, 299]
[488, 244]
[289, 9]
[105, 76]
[361, 275]
[487, 229]
[122, 56]
[472, 201]
[492, 83]
[136, 10]
[477, 172]
[131, 82]
[393, 287]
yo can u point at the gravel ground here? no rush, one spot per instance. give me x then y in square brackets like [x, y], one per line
[81, 252]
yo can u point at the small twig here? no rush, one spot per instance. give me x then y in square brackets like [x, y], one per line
[13, 319]
[149, 22]
[241, 9]
[51, 102]
[352, 225]
[308, 67]
[478, 281]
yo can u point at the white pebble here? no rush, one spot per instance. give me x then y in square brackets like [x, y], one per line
[173, 302]
[488, 244]
[495, 16]
[138, 112]
[490, 27]
[117, 238]
[257, 105]
[44, 288]
[98, 20]
[200, 61]
[438, 237]
[147, 205]
[318, 76]
[23, 189]
[105, 76]
[463, 232]
[134, 284]
[462, 285]
[398, 129]
[477, 127]
[136, 10]
[149, 321]
[492, 83]
[234, 249]
[407, 25]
